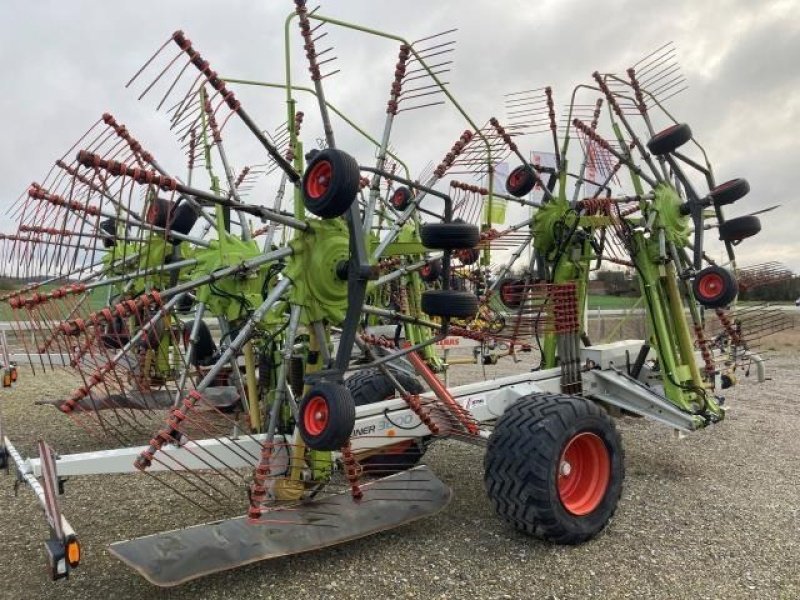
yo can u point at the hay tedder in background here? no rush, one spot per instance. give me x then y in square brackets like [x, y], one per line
[226, 328]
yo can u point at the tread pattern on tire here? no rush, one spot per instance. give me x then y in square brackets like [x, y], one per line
[518, 462]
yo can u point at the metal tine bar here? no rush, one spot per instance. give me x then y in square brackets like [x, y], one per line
[416, 106]
[432, 67]
[426, 74]
[160, 75]
[526, 101]
[432, 54]
[187, 110]
[332, 73]
[666, 47]
[436, 86]
[671, 95]
[434, 35]
[667, 85]
[150, 60]
[422, 53]
[660, 75]
[665, 60]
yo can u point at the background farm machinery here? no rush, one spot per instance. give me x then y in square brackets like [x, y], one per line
[304, 411]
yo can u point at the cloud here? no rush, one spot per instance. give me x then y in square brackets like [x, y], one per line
[66, 63]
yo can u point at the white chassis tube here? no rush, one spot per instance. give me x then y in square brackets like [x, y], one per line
[380, 424]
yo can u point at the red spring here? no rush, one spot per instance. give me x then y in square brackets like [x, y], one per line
[548, 91]
[565, 308]
[397, 84]
[352, 470]
[305, 31]
[596, 116]
[37, 192]
[242, 175]
[467, 187]
[124, 134]
[637, 90]
[601, 83]
[596, 206]
[389, 264]
[733, 331]
[702, 343]
[414, 404]
[451, 156]
[118, 169]
[212, 120]
[192, 147]
[503, 134]
[202, 65]
[591, 134]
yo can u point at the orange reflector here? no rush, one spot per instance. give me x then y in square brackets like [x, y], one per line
[73, 553]
[13, 374]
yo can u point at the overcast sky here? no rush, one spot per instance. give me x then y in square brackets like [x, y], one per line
[65, 62]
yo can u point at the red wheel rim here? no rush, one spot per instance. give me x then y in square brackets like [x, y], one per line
[319, 179]
[710, 285]
[584, 472]
[315, 416]
[509, 292]
[516, 177]
[425, 271]
[668, 130]
[152, 213]
[397, 199]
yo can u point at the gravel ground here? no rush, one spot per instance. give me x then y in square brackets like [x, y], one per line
[713, 515]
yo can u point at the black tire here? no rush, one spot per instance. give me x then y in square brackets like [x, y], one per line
[449, 236]
[524, 467]
[468, 256]
[714, 287]
[729, 192]
[185, 304]
[116, 333]
[431, 272]
[370, 386]
[204, 347]
[740, 228]
[512, 292]
[109, 226]
[520, 181]
[670, 139]
[401, 198]
[330, 183]
[449, 303]
[326, 416]
[159, 212]
[183, 218]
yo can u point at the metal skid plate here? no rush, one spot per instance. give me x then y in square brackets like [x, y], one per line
[175, 557]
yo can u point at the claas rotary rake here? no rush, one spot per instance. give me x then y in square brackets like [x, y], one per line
[273, 362]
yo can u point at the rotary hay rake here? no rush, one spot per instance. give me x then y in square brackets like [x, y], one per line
[260, 417]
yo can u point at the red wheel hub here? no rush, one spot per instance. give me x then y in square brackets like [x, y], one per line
[710, 285]
[152, 213]
[319, 179]
[397, 199]
[315, 417]
[584, 473]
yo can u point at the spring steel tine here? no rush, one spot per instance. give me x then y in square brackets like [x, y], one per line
[150, 60]
[664, 61]
[172, 86]
[416, 106]
[435, 35]
[177, 112]
[160, 75]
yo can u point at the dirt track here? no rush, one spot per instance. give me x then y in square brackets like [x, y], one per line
[714, 515]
